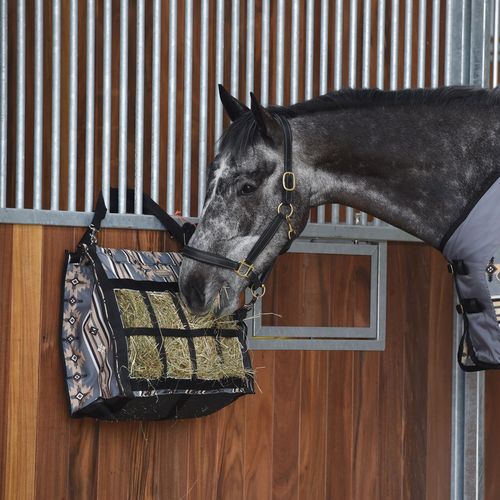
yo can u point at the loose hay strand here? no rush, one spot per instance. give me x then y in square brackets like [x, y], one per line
[144, 358]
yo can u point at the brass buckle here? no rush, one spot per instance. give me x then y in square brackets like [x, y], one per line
[244, 269]
[286, 176]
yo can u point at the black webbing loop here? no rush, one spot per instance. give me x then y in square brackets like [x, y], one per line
[470, 306]
[458, 267]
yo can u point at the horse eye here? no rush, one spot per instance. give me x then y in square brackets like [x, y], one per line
[246, 189]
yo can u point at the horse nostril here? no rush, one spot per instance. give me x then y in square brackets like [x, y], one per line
[193, 293]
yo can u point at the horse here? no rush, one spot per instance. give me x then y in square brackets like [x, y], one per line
[418, 159]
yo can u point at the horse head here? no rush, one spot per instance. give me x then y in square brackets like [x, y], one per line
[244, 192]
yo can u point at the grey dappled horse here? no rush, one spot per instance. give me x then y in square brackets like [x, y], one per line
[413, 158]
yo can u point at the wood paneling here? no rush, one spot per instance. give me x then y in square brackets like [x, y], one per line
[322, 425]
[23, 387]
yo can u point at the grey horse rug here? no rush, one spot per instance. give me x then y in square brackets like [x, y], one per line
[473, 253]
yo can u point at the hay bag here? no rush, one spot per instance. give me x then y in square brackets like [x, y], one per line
[130, 348]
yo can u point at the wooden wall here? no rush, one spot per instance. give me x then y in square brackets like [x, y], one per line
[323, 425]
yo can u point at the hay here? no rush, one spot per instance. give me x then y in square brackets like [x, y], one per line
[133, 310]
[216, 357]
[178, 358]
[209, 320]
[144, 358]
[232, 359]
[208, 361]
[165, 310]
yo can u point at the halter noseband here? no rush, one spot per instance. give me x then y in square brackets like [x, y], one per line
[245, 268]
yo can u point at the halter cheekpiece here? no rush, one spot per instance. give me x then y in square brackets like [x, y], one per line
[245, 267]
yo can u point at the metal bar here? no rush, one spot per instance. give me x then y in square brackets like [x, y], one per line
[172, 100]
[435, 43]
[294, 61]
[353, 38]
[202, 152]
[337, 72]
[264, 59]
[353, 42]
[280, 51]
[38, 104]
[106, 101]
[422, 21]
[380, 43]
[365, 65]
[323, 48]
[337, 68]
[480, 46]
[56, 104]
[309, 66]
[408, 43]
[367, 21]
[89, 107]
[323, 72]
[155, 105]
[393, 77]
[250, 46]
[73, 104]
[457, 40]
[495, 42]
[457, 413]
[139, 108]
[20, 101]
[311, 231]
[123, 118]
[380, 56]
[188, 84]
[219, 65]
[4, 54]
[473, 487]
[235, 46]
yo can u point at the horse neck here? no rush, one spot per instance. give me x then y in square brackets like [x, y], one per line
[416, 168]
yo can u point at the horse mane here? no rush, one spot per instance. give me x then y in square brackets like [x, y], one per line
[243, 132]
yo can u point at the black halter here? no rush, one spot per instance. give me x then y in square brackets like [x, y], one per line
[245, 268]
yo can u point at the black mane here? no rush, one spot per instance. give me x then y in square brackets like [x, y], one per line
[243, 133]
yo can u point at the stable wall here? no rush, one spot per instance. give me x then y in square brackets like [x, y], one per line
[323, 425]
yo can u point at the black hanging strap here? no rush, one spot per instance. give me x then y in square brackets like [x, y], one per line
[182, 234]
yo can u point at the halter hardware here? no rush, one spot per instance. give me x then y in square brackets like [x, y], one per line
[244, 269]
[255, 291]
[288, 181]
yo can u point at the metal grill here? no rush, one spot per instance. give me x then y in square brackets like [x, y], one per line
[285, 51]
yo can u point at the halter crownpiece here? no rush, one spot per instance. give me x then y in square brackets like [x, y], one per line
[245, 267]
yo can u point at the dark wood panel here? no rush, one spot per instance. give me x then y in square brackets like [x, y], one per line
[331, 425]
[259, 432]
[52, 434]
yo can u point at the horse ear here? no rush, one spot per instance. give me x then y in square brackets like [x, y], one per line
[233, 107]
[268, 126]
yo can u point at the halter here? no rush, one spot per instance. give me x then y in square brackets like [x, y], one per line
[245, 268]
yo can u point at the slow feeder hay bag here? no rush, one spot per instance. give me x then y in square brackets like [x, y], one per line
[130, 348]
